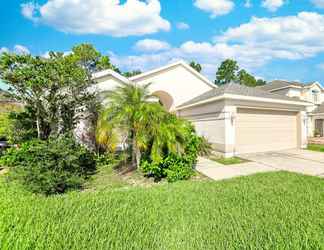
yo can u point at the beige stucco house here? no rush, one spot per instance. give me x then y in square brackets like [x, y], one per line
[310, 92]
[236, 119]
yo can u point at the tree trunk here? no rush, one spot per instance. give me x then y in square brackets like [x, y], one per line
[38, 128]
[134, 149]
[38, 124]
[138, 157]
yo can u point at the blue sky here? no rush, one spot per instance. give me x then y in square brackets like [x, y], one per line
[273, 39]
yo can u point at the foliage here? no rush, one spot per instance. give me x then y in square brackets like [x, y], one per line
[90, 59]
[132, 73]
[265, 211]
[316, 147]
[108, 159]
[21, 126]
[4, 126]
[317, 132]
[229, 71]
[6, 110]
[228, 161]
[50, 167]
[205, 148]
[148, 126]
[196, 66]
[55, 88]
[174, 166]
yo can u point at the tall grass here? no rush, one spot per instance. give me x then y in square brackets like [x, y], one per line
[268, 211]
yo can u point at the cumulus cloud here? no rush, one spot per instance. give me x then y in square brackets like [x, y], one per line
[108, 17]
[18, 49]
[4, 50]
[182, 26]
[318, 3]
[216, 8]
[152, 45]
[252, 44]
[248, 4]
[272, 5]
[291, 37]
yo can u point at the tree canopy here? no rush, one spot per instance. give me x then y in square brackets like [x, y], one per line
[196, 66]
[229, 71]
[132, 73]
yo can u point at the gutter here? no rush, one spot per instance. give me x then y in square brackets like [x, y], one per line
[244, 98]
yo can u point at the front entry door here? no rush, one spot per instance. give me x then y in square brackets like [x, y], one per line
[319, 126]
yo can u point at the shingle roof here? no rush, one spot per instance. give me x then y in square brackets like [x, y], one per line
[237, 89]
[277, 84]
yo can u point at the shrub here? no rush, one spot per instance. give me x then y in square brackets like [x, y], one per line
[175, 167]
[50, 167]
[21, 126]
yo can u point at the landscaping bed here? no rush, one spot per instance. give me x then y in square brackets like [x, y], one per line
[228, 161]
[316, 147]
[269, 211]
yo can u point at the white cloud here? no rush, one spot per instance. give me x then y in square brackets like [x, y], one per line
[29, 10]
[4, 50]
[272, 5]
[248, 4]
[321, 66]
[152, 45]
[318, 3]
[20, 49]
[215, 7]
[290, 37]
[252, 44]
[183, 26]
[108, 17]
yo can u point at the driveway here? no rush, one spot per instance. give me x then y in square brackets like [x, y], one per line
[295, 160]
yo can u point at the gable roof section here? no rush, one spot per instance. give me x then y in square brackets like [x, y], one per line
[109, 72]
[238, 91]
[179, 63]
[282, 84]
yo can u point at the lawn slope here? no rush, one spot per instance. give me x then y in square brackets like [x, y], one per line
[269, 211]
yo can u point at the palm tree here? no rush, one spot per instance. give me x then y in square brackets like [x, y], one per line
[147, 124]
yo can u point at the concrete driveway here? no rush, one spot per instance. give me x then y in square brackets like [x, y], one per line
[295, 160]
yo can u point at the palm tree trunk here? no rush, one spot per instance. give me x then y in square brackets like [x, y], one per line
[138, 157]
[134, 161]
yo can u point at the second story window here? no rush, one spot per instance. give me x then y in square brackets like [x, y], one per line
[315, 96]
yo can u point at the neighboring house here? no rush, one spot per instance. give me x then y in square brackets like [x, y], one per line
[310, 92]
[236, 119]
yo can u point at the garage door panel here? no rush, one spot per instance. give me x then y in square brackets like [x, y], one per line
[263, 130]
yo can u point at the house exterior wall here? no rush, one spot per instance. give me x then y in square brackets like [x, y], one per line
[281, 92]
[308, 94]
[209, 121]
[217, 121]
[177, 82]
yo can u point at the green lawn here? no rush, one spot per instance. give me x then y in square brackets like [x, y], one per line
[316, 147]
[228, 161]
[269, 211]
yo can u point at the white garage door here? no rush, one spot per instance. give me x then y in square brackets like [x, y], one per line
[265, 130]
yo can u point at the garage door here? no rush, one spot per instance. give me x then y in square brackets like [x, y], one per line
[263, 130]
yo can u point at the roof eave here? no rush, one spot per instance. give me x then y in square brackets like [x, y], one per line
[245, 98]
[182, 63]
